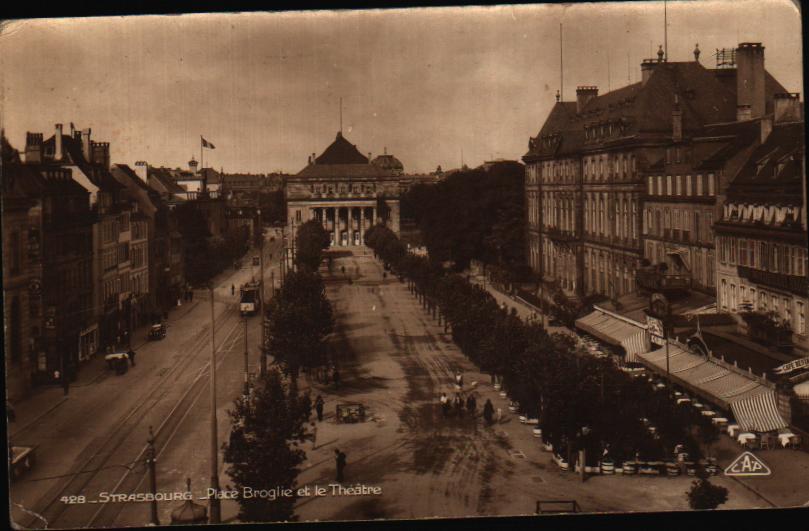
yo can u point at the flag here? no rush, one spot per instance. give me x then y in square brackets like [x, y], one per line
[207, 144]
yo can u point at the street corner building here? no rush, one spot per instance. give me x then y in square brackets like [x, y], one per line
[346, 191]
[626, 191]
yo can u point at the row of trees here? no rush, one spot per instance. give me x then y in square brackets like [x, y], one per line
[473, 214]
[270, 425]
[207, 255]
[581, 401]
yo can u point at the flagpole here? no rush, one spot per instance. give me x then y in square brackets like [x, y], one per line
[201, 164]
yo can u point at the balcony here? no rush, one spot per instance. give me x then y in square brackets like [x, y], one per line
[562, 236]
[792, 283]
[655, 278]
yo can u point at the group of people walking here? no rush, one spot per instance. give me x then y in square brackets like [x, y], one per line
[457, 406]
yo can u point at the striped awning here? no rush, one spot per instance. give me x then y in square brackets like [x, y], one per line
[753, 404]
[633, 339]
[758, 413]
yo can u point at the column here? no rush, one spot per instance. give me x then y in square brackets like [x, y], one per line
[336, 226]
[362, 225]
[350, 225]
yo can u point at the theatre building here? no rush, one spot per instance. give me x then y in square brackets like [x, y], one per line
[346, 191]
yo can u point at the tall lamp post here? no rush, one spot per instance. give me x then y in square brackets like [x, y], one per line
[261, 298]
[213, 501]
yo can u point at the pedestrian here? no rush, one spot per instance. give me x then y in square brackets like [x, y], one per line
[336, 378]
[319, 408]
[471, 405]
[488, 411]
[459, 379]
[444, 404]
[458, 405]
[232, 289]
[340, 461]
[131, 355]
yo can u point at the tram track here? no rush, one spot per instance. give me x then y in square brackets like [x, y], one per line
[95, 469]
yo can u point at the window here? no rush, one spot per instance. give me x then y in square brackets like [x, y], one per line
[724, 293]
[801, 318]
[298, 215]
[679, 185]
[688, 185]
[668, 184]
[659, 185]
[711, 184]
[699, 185]
[651, 190]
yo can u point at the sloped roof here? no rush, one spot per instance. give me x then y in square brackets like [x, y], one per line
[773, 173]
[388, 162]
[704, 98]
[97, 173]
[344, 170]
[341, 151]
[165, 180]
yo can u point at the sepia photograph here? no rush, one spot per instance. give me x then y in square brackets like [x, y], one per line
[529, 260]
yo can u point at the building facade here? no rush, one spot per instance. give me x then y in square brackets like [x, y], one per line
[609, 176]
[762, 233]
[346, 192]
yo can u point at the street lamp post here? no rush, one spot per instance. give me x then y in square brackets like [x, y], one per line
[246, 363]
[261, 299]
[151, 460]
[214, 500]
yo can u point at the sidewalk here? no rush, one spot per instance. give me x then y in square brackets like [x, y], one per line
[43, 400]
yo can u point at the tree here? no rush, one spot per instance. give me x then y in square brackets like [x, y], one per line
[263, 452]
[312, 238]
[704, 495]
[300, 319]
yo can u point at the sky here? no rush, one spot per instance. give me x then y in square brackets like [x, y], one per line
[430, 85]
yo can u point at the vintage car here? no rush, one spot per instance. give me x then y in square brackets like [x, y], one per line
[350, 412]
[118, 361]
[157, 331]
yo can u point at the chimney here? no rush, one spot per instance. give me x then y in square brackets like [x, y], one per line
[192, 165]
[57, 143]
[646, 69]
[72, 130]
[750, 78]
[85, 144]
[101, 153]
[314, 158]
[33, 147]
[369, 157]
[142, 170]
[787, 107]
[676, 120]
[766, 127]
[583, 96]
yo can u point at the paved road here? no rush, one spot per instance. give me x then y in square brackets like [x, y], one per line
[85, 441]
[397, 361]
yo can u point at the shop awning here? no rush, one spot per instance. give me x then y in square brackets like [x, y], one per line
[752, 402]
[615, 331]
[758, 413]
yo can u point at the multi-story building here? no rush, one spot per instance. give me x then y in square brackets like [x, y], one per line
[62, 317]
[345, 191]
[589, 169]
[89, 162]
[22, 275]
[682, 200]
[762, 232]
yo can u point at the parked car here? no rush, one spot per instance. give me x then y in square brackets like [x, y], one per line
[157, 331]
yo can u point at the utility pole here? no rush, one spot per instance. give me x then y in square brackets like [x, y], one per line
[213, 501]
[246, 362]
[150, 461]
[262, 299]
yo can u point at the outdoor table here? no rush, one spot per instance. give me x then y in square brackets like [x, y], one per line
[746, 438]
[719, 420]
[698, 405]
[630, 467]
[733, 429]
[709, 413]
[786, 438]
[661, 385]
[678, 394]
[683, 400]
